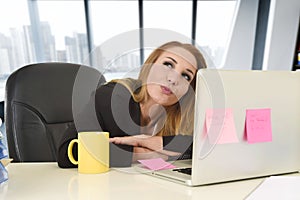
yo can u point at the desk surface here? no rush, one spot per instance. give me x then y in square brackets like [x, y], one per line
[48, 181]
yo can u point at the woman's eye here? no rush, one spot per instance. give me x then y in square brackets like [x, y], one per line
[187, 77]
[168, 64]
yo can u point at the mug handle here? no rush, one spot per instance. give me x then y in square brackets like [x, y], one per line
[70, 153]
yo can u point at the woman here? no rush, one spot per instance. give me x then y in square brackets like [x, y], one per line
[152, 116]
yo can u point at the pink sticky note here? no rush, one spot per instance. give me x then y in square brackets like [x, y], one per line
[219, 126]
[156, 164]
[258, 125]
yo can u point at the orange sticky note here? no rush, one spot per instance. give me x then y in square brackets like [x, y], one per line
[258, 125]
[219, 126]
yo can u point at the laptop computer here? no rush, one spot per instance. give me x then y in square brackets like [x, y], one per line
[240, 92]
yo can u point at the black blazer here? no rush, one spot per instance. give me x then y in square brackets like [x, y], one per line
[118, 114]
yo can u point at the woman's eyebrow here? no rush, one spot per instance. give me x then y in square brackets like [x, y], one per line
[187, 69]
[172, 59]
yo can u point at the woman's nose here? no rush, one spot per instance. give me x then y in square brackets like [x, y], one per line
[173, 77]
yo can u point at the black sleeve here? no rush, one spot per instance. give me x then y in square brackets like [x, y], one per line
[117, 114]
[116, 111]
[62, 155]
[179, 143]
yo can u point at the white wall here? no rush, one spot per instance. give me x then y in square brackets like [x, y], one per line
[281, 34]
[239, 54]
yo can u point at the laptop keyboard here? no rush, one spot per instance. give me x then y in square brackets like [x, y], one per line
[184, 170]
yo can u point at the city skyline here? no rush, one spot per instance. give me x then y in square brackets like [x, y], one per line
[19, 49]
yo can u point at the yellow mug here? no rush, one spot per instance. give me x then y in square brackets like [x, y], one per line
[93, 152]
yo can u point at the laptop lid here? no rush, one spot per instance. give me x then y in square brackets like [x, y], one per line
[254, 130]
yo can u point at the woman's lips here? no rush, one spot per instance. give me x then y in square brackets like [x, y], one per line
[165, 90]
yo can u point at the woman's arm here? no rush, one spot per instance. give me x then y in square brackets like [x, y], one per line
[175, 146]
[120, 155]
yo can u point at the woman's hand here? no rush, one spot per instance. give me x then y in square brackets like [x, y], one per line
[148, 143]
[153, 143]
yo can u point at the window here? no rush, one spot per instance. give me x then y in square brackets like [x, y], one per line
[62, 31]
[47, 34]
[214, 20]
[46, 30]
[172, 15]
[15, 46]
[110, 20]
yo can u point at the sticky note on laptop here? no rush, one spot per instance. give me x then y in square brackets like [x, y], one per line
[156, 164]
[219, 126]
[258, 125]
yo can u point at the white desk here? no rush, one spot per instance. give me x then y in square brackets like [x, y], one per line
[48, 181]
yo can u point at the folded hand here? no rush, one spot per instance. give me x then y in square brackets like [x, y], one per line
[150, 142]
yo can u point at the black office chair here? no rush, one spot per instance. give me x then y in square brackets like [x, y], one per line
[38, 107]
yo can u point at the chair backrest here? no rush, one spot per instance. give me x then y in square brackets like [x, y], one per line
[38, 108]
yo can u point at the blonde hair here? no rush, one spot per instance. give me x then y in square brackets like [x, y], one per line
[180, 116]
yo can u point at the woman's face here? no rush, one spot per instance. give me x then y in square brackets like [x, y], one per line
[170, 76]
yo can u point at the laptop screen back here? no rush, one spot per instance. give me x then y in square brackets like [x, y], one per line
[247, 124]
